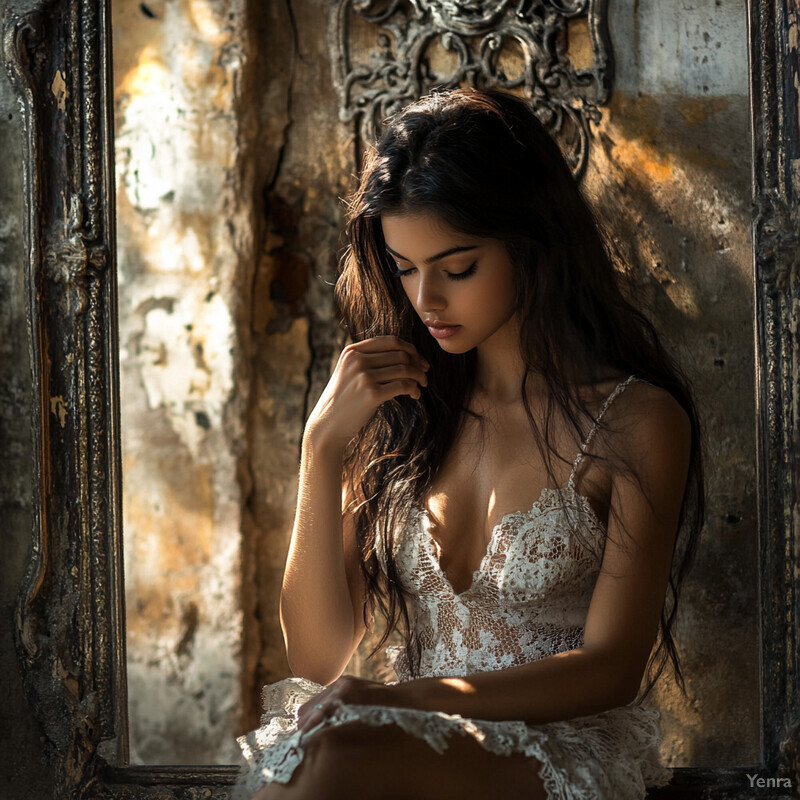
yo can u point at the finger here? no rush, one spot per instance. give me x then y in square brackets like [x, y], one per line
[399, 372]
[387, 391]
[317, 715]
[305, 712]
[310, 706]
[308, 723]
[389, 358]
[380, 344]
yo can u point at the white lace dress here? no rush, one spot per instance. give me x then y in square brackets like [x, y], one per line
[528, 600]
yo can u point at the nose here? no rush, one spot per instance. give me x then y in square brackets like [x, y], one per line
[430, 294]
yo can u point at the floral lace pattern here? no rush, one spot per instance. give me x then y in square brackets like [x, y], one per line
[528, 599]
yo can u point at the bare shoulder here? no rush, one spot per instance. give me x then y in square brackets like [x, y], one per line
[644, 404]
[648, 406]
[651, 428]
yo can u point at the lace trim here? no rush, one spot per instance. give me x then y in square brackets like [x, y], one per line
[549, 500]
[613, 754]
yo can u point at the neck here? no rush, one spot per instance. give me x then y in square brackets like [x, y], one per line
[500, 368]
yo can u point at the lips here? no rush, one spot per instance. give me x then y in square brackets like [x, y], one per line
[441, 330]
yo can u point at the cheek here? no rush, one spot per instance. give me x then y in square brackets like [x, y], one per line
[497, 298]
[507, 294]
[407, 290]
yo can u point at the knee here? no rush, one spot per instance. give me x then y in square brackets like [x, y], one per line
[327, 771]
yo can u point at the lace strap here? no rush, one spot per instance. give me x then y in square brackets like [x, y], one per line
[618, 390]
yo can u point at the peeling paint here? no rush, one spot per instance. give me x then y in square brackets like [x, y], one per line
[183, 247]
[59, 89]
[59, 408]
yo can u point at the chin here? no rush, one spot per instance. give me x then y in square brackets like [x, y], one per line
[454, 348]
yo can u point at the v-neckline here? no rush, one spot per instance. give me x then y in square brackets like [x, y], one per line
[432, 548]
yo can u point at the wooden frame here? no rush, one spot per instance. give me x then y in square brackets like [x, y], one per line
[70, 614]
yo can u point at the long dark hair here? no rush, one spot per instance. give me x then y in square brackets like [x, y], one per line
[482, 163]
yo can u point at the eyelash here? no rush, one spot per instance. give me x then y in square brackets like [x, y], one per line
[458, 276]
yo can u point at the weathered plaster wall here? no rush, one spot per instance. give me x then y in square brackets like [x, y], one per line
[676, 189]
[672, 177]
[185, 249]
[23, 774]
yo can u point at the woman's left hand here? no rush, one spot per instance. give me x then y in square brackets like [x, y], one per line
[345, 689]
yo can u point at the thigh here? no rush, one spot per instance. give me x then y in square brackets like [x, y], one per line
[362, 762]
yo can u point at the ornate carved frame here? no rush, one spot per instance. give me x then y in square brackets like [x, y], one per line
[70, 614]
[477, 34]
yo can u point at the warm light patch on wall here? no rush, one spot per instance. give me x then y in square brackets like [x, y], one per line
[150, 77]
[645, 160]
[205, 19]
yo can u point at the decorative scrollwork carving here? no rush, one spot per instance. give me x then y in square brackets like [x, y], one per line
[70, 260]
[519, 45]
[22, 35]
[64, 609]
[777, 229]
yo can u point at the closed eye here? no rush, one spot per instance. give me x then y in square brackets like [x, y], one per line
[459, 276]
[455, 276]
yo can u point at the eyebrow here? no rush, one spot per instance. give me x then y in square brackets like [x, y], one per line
[439, 256]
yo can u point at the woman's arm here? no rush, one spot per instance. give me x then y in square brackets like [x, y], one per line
[322, 597]
[623, 616]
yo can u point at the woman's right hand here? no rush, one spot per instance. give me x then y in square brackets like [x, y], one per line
[367, 374]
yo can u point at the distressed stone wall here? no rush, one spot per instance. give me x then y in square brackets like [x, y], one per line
[184, 212]
[671, 176]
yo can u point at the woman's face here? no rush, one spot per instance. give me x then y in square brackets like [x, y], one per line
[461, 286]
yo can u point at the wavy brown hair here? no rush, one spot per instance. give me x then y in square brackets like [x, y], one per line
[482, 163]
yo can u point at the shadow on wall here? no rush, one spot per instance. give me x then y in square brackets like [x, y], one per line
[672, 177]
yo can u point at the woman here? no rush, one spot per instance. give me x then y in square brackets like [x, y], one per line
[518, 454]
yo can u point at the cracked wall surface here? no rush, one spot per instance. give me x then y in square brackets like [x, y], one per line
[295, 336]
